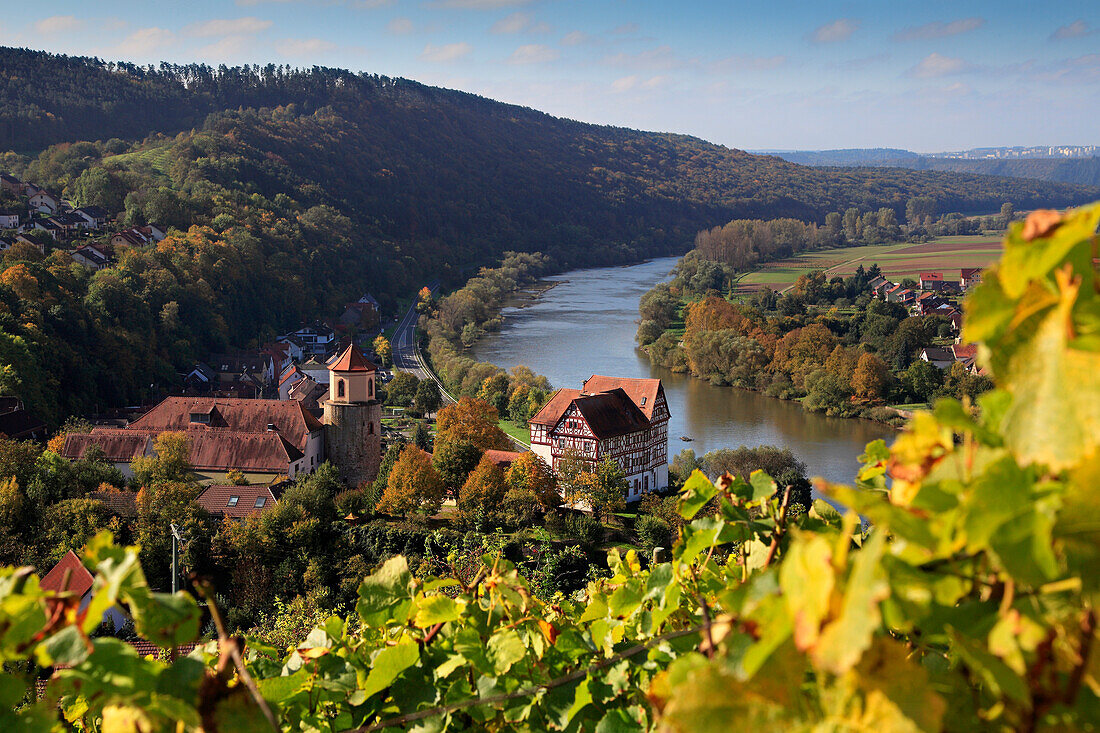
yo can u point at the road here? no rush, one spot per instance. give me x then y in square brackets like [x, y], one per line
[406, 357]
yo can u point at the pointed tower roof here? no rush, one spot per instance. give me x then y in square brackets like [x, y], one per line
[352, 360]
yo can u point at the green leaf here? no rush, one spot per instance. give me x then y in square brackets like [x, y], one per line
[388, 664]
[504, 649]
[625, 600]
[996, 674]
[166, 620]
[844, 640]
[763, 487]
[386, 596]
[697, 491]
[437, 609]
[68, 646]
[617, 720]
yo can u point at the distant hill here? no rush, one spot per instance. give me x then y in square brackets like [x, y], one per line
[1013, 162]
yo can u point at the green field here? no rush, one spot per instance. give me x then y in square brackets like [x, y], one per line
[155, 157]
[897, 261]
[522, 434]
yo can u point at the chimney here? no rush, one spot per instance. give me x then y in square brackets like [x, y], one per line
[271, 428]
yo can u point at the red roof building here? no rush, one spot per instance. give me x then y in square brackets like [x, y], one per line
[68, 576]
[623, 419]
[503, 458]
[238, 502]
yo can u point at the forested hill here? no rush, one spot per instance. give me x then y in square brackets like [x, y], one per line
[292, 192]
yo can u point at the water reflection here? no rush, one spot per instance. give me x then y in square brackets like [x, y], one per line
[585, 325]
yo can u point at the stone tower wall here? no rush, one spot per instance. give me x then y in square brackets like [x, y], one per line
[353, 439]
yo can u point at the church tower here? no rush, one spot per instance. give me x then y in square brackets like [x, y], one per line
[353, 417]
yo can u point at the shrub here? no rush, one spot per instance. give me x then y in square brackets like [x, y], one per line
[652, 532]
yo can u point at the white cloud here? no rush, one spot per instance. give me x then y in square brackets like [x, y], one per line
[575, 38]
[519, 22]
[228, 47]
[533, 53]
[229, 27]
[659, 58]
[446, 52]
[143, 42]
[840, 29]
[297, 47]
[1076, 29]
[59, 24]
[401, 26]
[626, 83]
[936, 65]
[938, 29]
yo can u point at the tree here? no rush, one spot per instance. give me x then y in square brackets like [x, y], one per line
[422, 437]
[605, 490]
[413, 486]
[742, 461]
[482, 497]
[871, 378]
[1007, 211]
[472, 421]
[171, 460]
[378, 487]
[454, 459]
[532, 475]
[402, 389]
[382, 350]
[427, 398]
[922, 379]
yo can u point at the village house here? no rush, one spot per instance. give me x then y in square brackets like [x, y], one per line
[93, 216]
[70, 576]
[898, 294]
[315, 339]
[45, 202]
[9, 219]
[11, 184]
[502, 459]
[92, 257]
[623, 419]
[17, 423]
[937, 356]
[239, 502]
[308, 392]
[969, 277]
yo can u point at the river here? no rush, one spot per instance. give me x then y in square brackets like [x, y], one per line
[585, 325]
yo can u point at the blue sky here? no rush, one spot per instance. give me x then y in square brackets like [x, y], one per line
[927, 76]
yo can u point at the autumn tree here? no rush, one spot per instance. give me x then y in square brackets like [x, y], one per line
[171, 460]
[471, 421]
[413, 487]
[532, 476]
[482, 497]
[382, 350]
[871, 378]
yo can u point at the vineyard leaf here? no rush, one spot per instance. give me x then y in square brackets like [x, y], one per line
[844, 640]
[165, 619]
[806, 576]
[504, 649]
[617, 720]
[68, 646]
[388, 664]
[437, 609]
[387, 594]
[697, 491]
[905, 686]
[763, 487]
[996, 674]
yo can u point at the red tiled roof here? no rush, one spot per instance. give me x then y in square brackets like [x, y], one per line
[224, 450]
[79, 580]
[643, 392]
[119, 445]
[243, 415]
[555, 407]
[215, 499]
[967, 272]
[610, 414]
[931, 276]
[352, 360]
[503, 458]
[965, 352]
[122, 503]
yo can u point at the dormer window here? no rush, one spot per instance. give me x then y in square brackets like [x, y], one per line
[200, 417]
[260, 501]
[233, 500]
[643, 401]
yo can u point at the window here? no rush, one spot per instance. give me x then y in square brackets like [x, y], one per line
[233, 500]
[645, 483]
[260, 501]
[339, 387]
[370, 428]
[201, 417]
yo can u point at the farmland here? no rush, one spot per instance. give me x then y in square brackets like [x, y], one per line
[897, 261]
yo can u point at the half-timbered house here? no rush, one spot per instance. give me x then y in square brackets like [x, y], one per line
[623, 419]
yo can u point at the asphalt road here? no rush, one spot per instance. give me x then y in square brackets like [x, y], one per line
[406, 357]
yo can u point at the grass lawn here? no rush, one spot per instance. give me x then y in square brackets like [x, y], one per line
[523, 434]
[897, 260]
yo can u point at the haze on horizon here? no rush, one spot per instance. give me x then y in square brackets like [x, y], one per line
[927, 77]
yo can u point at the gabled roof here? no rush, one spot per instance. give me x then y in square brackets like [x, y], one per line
[643, 392]
[119, 445]
[290, 372]
[503, 458]
[555, 407]
[93, 211]
[243, 415]
[610, 414]
[964, 352]
[215, 499]
[352, 360]
[931, 276]
[938, 353]
[19, 423]
[68, 575]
